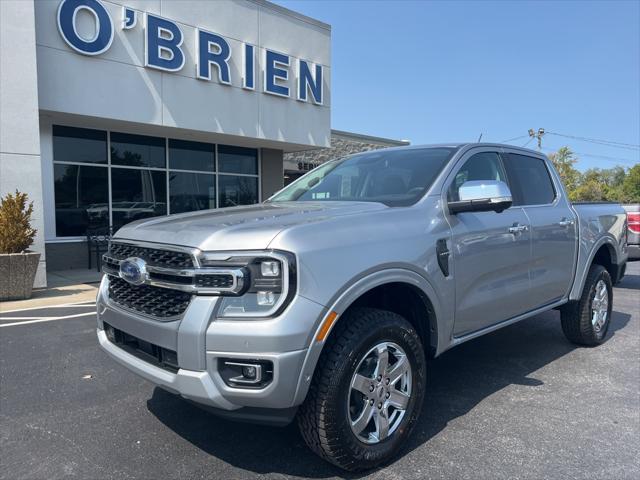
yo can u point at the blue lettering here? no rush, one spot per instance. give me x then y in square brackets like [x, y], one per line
[273, 72]
[308, 81]
[206, 57]
[129, 18]
[163, 36]
[103, 37]
[249, 67]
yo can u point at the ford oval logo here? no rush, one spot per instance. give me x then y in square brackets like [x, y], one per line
[134, 270]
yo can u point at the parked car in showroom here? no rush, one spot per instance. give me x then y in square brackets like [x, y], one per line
[323, 303]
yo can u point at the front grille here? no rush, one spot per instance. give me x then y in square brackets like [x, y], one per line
[155, 301]
[214, 281]
[153, 256]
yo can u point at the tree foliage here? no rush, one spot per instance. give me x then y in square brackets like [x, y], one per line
[16, 234]
[615, 184]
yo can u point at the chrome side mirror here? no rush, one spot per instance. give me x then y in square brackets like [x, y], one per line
[482, 196]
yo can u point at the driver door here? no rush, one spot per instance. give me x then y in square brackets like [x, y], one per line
[490, 258]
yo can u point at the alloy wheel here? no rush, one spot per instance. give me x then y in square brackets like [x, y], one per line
[379, 393]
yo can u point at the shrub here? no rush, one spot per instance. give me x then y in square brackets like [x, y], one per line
[16, 234]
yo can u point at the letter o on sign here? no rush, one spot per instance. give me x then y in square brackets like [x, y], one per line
[101, 41]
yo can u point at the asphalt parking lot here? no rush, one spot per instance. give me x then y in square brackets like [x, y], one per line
[519, 403]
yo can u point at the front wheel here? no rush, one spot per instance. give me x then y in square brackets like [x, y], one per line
[367, 391]
[586, 321]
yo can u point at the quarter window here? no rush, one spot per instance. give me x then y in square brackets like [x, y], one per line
[481, 166]
[531, 181]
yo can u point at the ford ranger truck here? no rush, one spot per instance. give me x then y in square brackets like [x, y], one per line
[323, 303]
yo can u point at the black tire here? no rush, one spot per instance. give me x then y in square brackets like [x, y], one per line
[576, 316]
[324, 419]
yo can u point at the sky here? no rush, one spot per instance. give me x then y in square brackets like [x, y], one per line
[448, 71]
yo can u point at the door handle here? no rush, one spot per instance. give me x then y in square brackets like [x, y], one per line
[517, 228]
[566, 223]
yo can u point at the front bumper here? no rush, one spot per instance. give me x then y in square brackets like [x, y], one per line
[200, 340]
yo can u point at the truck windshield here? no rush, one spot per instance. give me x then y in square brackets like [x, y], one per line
[393, 177]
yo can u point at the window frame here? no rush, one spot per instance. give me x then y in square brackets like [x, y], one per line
[451, 176]
[501, 166]
[556, 192]
[167, 170]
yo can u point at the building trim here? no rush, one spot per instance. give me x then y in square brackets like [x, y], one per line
[369, 138]
[291, 13]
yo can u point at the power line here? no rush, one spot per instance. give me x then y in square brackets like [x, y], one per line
[603, 157]
[514, 139]
[527, 142]
[609, 143]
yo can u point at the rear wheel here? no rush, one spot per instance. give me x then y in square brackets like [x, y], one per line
[367, 390]
[586, 321]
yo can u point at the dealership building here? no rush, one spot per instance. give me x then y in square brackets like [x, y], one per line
[115, 110]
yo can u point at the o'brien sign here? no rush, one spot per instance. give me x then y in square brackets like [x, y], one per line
[163, 50]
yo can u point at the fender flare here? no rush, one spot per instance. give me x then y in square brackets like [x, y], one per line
[578, 286]
[345, 298]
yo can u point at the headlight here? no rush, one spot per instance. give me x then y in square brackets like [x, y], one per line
[268, 282]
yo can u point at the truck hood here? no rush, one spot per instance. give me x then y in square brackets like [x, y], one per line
[237, 228]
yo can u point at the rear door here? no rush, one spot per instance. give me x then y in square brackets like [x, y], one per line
[553, 226]
[490, 251]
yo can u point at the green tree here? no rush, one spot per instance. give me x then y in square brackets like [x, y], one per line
[590, 190]
[564, 160]
[615, 184]
[630, 188]
[609, 183]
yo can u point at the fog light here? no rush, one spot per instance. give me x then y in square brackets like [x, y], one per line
[270, 269]
[266, 298]
[241, 373]
[249, 373]
[111, 335]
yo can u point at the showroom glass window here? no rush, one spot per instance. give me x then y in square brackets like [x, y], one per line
[238, 179]
[81, 180]
[145, 176]
[138, 178]
[192, 180]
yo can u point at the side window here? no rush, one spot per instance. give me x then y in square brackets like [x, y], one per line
[531, 181]
[481, 166]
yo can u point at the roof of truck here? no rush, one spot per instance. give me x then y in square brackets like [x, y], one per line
[459, 145]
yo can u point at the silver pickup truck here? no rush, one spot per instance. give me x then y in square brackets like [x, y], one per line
[324, 302]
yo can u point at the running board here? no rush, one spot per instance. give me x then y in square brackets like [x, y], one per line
[497, 326]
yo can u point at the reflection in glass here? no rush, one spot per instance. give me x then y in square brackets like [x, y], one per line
[137, 150]
[237, 159]
[191, 191]
[137, 194]
[79, 145]
[393, 177]
[81, 197]
[237, 190]
[184, 155]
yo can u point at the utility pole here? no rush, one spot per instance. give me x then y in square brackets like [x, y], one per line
[539, 134]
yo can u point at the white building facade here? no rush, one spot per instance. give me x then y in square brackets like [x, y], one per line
[115, 110]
